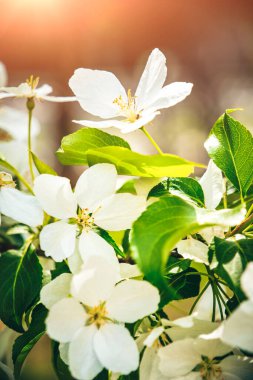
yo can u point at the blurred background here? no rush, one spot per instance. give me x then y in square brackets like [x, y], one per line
[206, 42]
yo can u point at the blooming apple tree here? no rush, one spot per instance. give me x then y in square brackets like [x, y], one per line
[149, 280]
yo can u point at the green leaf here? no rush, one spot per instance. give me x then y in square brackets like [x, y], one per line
[21, 281]
[105, 235]
[230, 145]
[42, 167]
[24, 343]
[186, 283]
[185, 187]
[60, 367]
[132, 163]
[74, 146]
[225, 250]
[161, 226]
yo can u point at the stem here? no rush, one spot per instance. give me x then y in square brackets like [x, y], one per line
[30, 106]
[159, 150]
[249, 210]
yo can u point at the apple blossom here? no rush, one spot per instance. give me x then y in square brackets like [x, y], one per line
[3, 75]
[92, 204]
[101, 94]
[91, 319]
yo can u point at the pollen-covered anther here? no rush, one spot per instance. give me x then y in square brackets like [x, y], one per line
[84, 219]
[211, 371]
[6, 180]
[33, 82]
[97, 315]
[129, 107]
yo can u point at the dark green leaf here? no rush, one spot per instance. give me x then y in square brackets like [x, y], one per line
[24, 343]
[60, 367]
[105, 235]
[42, 167]
[186, 283]
[20, 284]
[230, 145]
[132, 163]
[60, 268]
[74, 146]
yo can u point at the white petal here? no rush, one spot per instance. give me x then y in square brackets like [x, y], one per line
[153, 336]
[3, 75]
[211, 347]
[238, 328]
[43, 90]
[247, 281]
[116, 349]
[194, 250]
[4, 95]
[91, 244]
[171, 95]
[178, 358]
[56, 290]
[119, 211]
[64, 352]
[55, 196]
[96, 91]
[58, 240]
[21, 207]
[236, 367]
[94, 284]
[83, 362]
[59, 99]
[149, 366]
[204, 307]
[212, 185]
[129, 271]
[75, 261]
[144, 119]
[94, 185]
[65, 318]
[132, 300]
[199, 327]
[152, 79]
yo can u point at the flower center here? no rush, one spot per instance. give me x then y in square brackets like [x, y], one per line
[209, 370]
[128, 108]
[97, 315]
[6, 180]
[85, 219]
[5, 136]
[33, 82]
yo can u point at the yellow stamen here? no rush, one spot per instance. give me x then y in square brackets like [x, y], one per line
[128, 108]
[97, 314]
[33, 82]
[6, 180]
[84, 219]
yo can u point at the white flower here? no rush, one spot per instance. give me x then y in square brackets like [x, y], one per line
[101, 94]
[29, 90]
[3, 75]
[24, 208]
[13, 136]
[92, 204]
[200, 358]
[91, 320]
[238, 328]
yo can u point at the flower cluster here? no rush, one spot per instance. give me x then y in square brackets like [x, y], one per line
[151, 279]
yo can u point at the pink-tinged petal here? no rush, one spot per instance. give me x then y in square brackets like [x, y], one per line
[22, 207]
[96, 92]
[94, 185]
[58, 240]
[65, 318]
[55, 196]
[132, 300]
[83, 361]
[119, 211]
[116, 349]
[152, 79]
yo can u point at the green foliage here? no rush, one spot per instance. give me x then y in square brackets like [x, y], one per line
[24, 343]
[185, 283]
[160, 227]
[74, 147]
[185, 187]
[230, 145]
[132, 163]
[42, 167]
[21, 281]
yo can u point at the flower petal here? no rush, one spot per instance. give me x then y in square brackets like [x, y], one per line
[194, 250]
[94, 185]
[3, 75]
[21, 207]
[247, 281]
[94, 284]
[59, 99]
[96, 91]
[119, 211]
[64, 352]
[56, 290]
[55, 196]
[58, 240]
[83, 362]
[65, 318]
[237, 368]
[91, 244]
[149, 369]
[132, 300]
[211, 347]
[171, 366]
[152, 79]
[43, 90]
[170, 95]
[116, 349]
[143, 120]
[212, 185]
